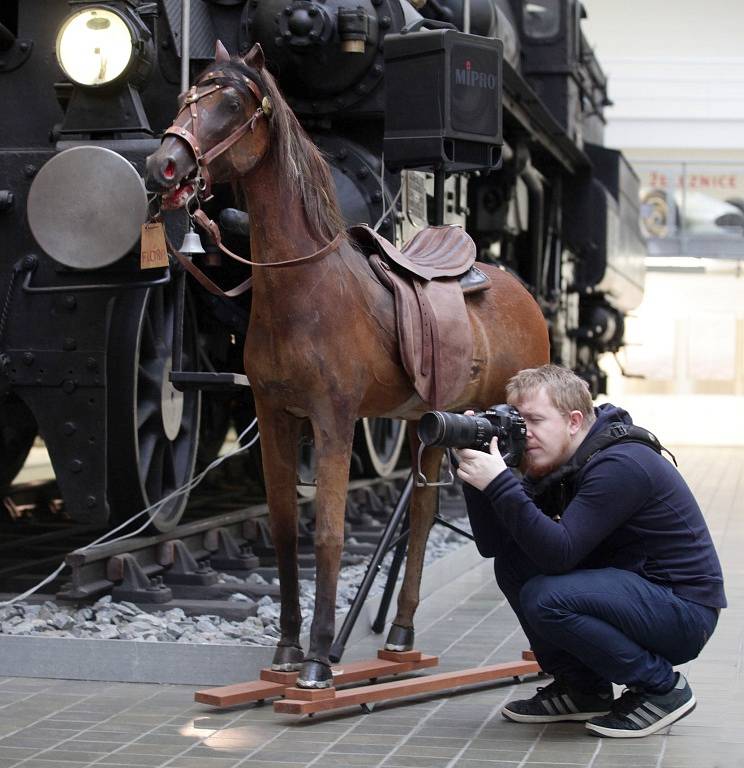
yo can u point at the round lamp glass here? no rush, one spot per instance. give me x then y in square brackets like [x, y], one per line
[94, 46]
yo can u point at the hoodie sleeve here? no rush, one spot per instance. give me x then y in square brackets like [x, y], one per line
[489, 531]
[614, 487]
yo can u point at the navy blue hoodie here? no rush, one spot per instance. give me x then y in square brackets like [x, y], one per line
[629, 508]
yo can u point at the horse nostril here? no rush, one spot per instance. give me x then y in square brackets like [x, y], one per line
[170, 170]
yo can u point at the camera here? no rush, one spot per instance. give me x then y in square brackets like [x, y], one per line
[454, 430]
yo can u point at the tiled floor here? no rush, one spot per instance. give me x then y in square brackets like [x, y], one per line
[60, 724]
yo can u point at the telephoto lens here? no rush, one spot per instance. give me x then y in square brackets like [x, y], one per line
[454, 430]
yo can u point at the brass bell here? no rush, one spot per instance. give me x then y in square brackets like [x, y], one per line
[191, 243]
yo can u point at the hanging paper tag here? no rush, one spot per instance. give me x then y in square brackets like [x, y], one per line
[152, 248]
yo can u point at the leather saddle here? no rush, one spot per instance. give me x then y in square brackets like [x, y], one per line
[429, 278]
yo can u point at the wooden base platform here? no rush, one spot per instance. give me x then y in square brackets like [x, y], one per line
[273, 684]
[301, 701]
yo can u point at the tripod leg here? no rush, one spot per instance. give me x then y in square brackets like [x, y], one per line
[400, 551]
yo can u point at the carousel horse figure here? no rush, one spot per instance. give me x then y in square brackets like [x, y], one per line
[322, 342]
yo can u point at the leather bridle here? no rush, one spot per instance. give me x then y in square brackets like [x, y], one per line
[203, 159]
[204, 181]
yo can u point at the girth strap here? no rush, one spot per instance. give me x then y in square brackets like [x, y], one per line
[428, 342]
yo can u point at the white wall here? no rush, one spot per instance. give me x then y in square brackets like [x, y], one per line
[676, 72]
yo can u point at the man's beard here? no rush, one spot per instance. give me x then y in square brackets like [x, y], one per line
[538, 469]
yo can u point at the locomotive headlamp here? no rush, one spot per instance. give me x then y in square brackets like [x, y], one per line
[99, 45]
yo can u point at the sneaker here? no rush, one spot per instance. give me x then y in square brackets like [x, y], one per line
[637, 713]
[555, 703]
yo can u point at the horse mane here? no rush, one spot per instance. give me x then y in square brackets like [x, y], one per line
[302, 169]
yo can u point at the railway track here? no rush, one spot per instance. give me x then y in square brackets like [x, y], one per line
[219, 552]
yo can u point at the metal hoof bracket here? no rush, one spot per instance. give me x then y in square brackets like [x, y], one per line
[315, 674]
[399, 638]
[287, 658]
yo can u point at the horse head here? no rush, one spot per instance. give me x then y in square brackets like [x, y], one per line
[222, 128]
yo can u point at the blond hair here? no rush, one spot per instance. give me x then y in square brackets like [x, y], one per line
[567, 392]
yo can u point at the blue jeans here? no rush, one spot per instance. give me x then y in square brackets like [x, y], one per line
[591, 628]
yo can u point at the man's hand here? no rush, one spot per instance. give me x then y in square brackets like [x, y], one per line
[478, 468]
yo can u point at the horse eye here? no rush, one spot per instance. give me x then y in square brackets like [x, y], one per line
[234, 106]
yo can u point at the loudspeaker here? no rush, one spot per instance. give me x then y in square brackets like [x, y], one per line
[443, 100]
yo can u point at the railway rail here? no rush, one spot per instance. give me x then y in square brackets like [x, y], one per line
[200, 566]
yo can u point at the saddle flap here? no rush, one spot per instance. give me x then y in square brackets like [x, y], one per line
[431, 253]
[434, 333]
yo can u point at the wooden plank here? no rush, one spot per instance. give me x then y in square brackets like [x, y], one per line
[399, 655]
[399, 689]
[528, 655]
[310, 694]
[273, 684]
[240, 693]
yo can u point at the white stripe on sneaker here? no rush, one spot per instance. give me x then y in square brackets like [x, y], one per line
[636, 719]
[653, 708]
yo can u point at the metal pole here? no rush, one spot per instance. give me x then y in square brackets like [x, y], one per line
[179, 309]
[439, 195]
[185, 44]
[177, 351]
[337, 649]
[466, 16]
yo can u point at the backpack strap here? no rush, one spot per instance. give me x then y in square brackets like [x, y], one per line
[618, 432]
[614, 432]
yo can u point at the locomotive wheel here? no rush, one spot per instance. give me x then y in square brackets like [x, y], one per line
[659, 215]
[380, 442]
[153, 428]
[17, 432]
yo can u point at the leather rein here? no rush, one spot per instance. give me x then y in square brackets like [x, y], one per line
[204, 181]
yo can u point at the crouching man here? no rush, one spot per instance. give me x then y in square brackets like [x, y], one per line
[602, 553]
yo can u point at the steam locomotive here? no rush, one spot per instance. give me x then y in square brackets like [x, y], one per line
[92, 328]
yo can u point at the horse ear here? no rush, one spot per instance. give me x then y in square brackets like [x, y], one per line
[220, 53]
[255, 57]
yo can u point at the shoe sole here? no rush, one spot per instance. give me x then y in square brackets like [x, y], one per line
[575, 717]
[665, 722]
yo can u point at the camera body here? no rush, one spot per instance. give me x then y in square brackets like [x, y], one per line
[454, 430]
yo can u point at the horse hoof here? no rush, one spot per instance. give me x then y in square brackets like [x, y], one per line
[315, 674]
[287, 658]
[399, 638]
